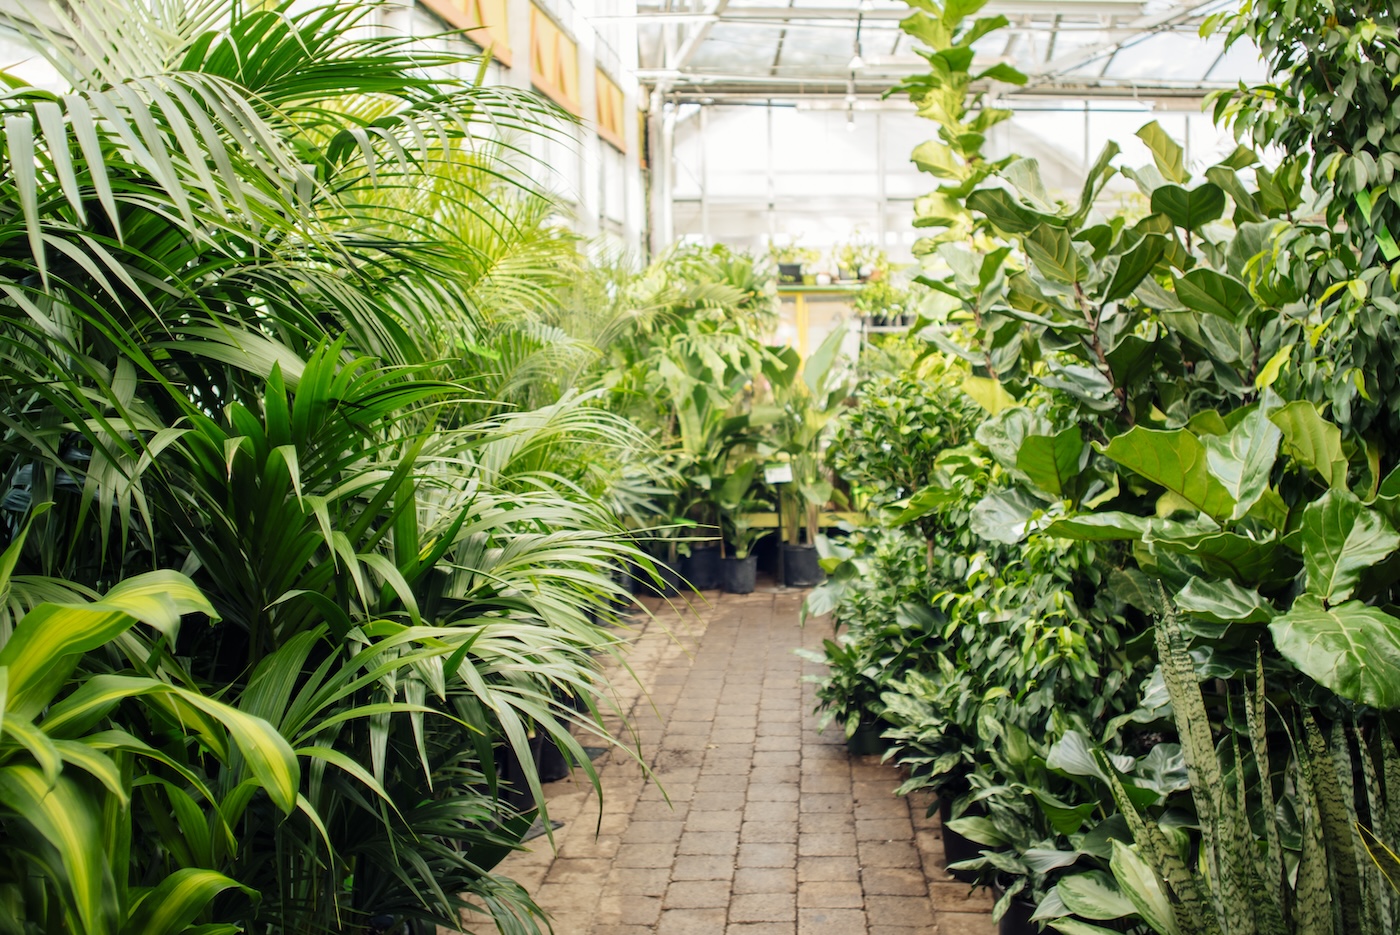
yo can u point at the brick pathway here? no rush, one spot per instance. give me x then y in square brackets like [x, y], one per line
[770, 829]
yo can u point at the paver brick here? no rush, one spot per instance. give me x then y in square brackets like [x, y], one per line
[762, 907]
[690, 921]
[709, 842]
[765, 880]
[898, 910]
[697, 894]
[702, 868]
[767, 855]
[821, 921]
[810, 869]
[831, 894]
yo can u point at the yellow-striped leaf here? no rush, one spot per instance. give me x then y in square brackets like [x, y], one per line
[173, 905]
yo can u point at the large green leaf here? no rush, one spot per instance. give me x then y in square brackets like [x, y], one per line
[1211, 293]
[1144, 889]
[1351, 648]
[1052, 251]
[1094, 895]
[1166, 152]
[1053, 462]
[65, 816]
[1099, 527]
[1134, 266]
[1342, 538]
[266, 752]
[1228, 554]
[1243, 459]
[1189, 209]
[173, 905]
[1313, 441]
[1004, 210]
[51, 638]
[1222, 601]
[1005, 516]
[1177, 461]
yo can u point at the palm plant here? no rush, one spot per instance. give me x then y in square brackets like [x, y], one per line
[241, 261]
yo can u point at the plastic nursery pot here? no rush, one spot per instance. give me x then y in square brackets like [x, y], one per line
[800, 566]
[1017, 918]
[868, 740]
[737, 575]
[955, 846]
[701, 567]
[669, 584]
[789, 273]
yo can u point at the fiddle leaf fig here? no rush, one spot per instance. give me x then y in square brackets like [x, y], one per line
[1005, 516]
[1053, 462]
[1341, 539]
[1177, 461]
[1352, 649]
[1222, 601]
[1243, 459]
[1190, 209]
[1004, 210]
[1166, 152]
[1134, 266]
[1204, 290]
[1052, 251]
[1313, 441]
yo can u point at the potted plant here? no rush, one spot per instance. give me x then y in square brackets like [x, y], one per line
[809, 395]
[738, 565]
[791, 260]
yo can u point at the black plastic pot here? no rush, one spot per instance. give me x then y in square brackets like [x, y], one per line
[668, 586]
[955, 846]
[867, 740]
[789, 273]
[800, 566]
[1017, 918]
[737, 575]
[701, 568]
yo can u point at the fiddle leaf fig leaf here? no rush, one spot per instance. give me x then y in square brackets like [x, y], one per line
[1166, 152]
[1177, 461]
[1134, 266]
[1099, 527]
[1190, 209]
[1352, 649]
[1005, 516]
[1228, 554]
[1341, 539]
[1313, 441]
[1243, 459]
[1052, 462]
[1053, 253]
[989, 394]
[1004, 210]
[1204, 290]
[1222, 601]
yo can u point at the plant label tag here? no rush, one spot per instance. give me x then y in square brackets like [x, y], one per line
[778, 474]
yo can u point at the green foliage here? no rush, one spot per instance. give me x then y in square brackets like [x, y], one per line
[272, 303]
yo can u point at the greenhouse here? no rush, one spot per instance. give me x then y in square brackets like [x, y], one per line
[726, 467]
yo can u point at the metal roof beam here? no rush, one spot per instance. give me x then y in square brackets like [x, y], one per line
[1069, 9]
[1137, 30]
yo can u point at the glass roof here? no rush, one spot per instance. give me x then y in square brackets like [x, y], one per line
[727, 49]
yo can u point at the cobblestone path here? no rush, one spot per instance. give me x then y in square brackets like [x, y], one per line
[770, 828]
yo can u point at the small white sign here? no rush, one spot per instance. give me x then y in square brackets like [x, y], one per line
[778, 474]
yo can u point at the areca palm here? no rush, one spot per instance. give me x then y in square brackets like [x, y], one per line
[240, 260]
